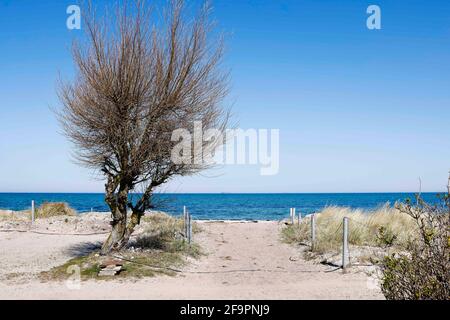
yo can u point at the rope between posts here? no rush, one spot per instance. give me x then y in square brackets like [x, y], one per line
[321, 232]
[318, 230]
[365, 225]
[338, 228]
[360, 223]
[55, 233]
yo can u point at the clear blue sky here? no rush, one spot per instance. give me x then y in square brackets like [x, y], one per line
[358, 110]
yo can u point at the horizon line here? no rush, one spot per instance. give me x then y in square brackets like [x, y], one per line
[366, 192]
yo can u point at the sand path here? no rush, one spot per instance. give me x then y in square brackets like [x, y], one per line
[243, 261]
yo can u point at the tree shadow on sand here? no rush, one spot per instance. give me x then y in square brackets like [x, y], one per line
[83, 248]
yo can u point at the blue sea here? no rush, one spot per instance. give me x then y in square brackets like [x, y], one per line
[221, 206]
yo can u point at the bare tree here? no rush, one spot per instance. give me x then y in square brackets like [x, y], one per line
[138, 81]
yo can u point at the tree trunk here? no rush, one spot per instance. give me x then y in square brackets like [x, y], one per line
[135, 219]
[121, 233]
[118, 205]
[115, 238]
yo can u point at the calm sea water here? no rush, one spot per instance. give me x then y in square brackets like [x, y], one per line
[221, 206]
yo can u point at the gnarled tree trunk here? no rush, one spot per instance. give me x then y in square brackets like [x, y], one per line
[118, 205]
[114, 242]
[121, 232]
[122, 227]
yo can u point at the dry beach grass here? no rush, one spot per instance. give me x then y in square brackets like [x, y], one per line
[53, 209]
[371, 233]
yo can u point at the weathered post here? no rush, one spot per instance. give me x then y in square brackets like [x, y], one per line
[32, 211]
[299, 218]
[190, 228]
[448, 185]
[448, 194]
[292, 215]
[313, 231]
[185, 222]
[345, 257]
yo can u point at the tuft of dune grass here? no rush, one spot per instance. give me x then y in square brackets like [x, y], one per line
[160, 221]
[164, 232]
[53, 209]
[383, 227]
[9, 215]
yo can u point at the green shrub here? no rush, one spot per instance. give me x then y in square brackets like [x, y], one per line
[423, 271]
[385, 237]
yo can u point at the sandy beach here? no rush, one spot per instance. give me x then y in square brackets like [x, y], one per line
[243, 260]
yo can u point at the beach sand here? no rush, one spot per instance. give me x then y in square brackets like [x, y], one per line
[245, 260]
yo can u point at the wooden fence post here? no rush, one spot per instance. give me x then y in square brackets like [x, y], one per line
[313, 231]
[189, 228]
[345, 256]
[185, 222]
[292, 215]
[32, 211]
[299, 217]
[448, 189]
[448, 185]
